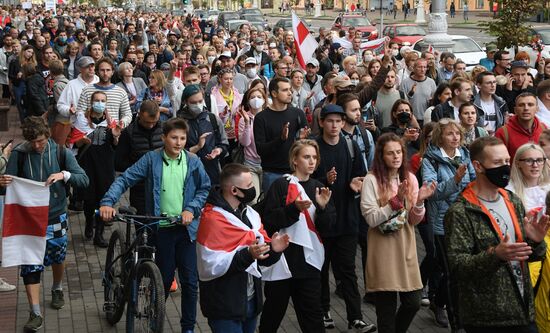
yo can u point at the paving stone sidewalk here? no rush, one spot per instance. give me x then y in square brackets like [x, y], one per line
[84, 292]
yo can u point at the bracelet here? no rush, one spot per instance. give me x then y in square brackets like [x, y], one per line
[419, 206]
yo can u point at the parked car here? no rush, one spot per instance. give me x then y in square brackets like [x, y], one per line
[213, 15]
[286, 24]
[199, 12]
[223, 17]
[245, 11]
[256, 20]
[401, 33]
[360, 22]
[464, 48]
[233, 25]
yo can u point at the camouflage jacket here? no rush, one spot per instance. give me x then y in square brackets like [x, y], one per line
[487, 293]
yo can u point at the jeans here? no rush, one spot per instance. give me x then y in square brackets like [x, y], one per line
[340, 252]
[237, 326]
[18, 92]
[176, 250]
[390, 321]
[268, 178]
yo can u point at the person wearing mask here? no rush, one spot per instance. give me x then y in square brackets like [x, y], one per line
[419, 89]
[467, 115]
[118, 105]
[518, 82]
[140, 137]
[174, 190]
[228, 219]
[404, 125]
[251, 70]
[492, 109]
[488, 239]
[299, 206]
[502, 61]
[33, 160]
[227, 62]
[447, 164]
[207, 137]
[275, 129]
[342, 170]
[254, 101]
[524, 126]
[461, 93]
[257, 52]
[134, 86]
[388, 190]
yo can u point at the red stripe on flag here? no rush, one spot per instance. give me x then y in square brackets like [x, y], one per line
[21, 220]
[291, 196]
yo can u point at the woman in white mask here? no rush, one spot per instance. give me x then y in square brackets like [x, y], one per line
[254, 101]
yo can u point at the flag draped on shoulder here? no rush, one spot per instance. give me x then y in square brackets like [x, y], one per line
[303, 40]
[221, 234]
[25, 221]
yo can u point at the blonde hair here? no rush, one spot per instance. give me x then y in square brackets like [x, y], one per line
[158, 75]
[297, 147]
[348, 59]
[516, 177]
[437, 134]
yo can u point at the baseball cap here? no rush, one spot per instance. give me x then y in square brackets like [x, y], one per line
[331, 109]
[189, 91]
[226, 54]
[258, 40]
[314, 62]
[341, 83]
[491, 47]
[85, 62]
[250, 60]
[335, 46]
[518, 64]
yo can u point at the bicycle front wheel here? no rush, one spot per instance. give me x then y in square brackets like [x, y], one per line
[113, 281]
[150, 304]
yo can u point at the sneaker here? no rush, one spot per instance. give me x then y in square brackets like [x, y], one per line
[328, 321]
[174, 286]
[34, 323]
[4, 286]
[440, 315]
[361, 327]
[425, 301]
[57, 299]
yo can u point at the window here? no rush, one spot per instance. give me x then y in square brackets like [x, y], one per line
[480, 4]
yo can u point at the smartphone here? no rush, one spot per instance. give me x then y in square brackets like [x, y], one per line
[7, 144]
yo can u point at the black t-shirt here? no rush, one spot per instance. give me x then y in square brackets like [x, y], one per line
[268, 126]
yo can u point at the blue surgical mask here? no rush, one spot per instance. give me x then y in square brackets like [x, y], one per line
[63, 39]
[98, 107]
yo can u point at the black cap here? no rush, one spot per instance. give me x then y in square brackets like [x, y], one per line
[331, 109]
[518, 64]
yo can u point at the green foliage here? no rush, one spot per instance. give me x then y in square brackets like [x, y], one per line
[510, 27]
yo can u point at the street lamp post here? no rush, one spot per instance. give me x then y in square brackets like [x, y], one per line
[437, 28]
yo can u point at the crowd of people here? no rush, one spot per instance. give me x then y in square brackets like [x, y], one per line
[281, 172]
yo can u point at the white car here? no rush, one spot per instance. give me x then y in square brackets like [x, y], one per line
[464, 48]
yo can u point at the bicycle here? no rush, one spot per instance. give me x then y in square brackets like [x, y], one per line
[131, 275]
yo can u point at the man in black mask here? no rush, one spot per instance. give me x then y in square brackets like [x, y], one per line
[489, 240]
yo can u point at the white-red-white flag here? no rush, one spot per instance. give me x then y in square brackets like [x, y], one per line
[303, 40]
[25, 221]
[431, 48]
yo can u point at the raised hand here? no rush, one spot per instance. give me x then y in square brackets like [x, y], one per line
[322, 196]
[460, 172]
[302, 204]
[402, 190]
[279, 242]
[284, 132]
[426, 191]
[356, 184]
[507, 251]
[536, 230]
[259, 251]
[202, 139]
[331, 176]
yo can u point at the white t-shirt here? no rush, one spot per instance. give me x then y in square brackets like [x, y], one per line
[490, 115]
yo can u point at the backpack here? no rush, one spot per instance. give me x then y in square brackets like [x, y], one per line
[214, 123]
[418, 174]
[349, 142]
[61, 156]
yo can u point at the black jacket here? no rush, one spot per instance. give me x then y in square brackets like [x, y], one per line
[135, 141]
[36, 100]
[225, 297]
[510, 95]
[445, 110]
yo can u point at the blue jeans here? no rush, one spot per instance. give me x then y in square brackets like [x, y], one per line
[268, 178]
[176, 250]
[237, 326]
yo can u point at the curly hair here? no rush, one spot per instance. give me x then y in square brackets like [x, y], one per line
[33, 127]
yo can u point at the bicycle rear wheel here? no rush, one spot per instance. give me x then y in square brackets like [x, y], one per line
[150, 305]
[113, 281]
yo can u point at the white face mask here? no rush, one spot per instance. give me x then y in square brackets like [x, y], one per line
[196, 109]
[369, 57]
[259, 48]
[394, 53]
[257, 103]
[354, 82]
[251, 72]
[211, 59]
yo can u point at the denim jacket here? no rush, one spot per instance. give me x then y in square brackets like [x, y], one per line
[149, 168]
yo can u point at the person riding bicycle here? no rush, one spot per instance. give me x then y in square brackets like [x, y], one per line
[176, 184]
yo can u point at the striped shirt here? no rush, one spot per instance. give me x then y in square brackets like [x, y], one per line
[117, 106]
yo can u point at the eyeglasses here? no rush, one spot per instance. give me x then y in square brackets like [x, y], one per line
[532, 161]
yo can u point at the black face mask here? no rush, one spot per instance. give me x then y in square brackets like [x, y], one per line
[403, 117]
[132, 62]
[499, 176]
[249, 194]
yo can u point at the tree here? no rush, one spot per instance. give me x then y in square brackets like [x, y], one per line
[510, 26]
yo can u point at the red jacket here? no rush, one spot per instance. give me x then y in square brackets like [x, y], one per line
[514, 135]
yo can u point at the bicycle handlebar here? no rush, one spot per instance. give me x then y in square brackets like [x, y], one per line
[128, 215]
